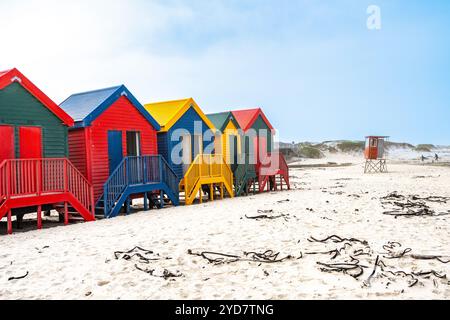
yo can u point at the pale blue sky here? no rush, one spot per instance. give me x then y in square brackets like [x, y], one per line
[313, 66]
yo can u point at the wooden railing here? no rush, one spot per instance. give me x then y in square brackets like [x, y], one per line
[79, 187]
[276, 166]
[36, 177]
[206, 166]
[3, 183]
[192, 176]
[273, 164]
[136, 171]
[283, 165]
[170, 177]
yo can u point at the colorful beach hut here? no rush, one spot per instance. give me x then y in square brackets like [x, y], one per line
[229, 143]
[186, 141]
[114, 144]
[35, 174]
[258, 143]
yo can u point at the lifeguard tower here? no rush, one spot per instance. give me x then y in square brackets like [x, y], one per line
[375, 154]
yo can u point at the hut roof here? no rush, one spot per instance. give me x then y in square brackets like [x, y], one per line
[167, 113]
[8, 77]
[85, 107]
[220, 120]
[246, 118]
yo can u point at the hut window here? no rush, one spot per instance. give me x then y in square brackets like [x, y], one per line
[374, 143]
[133, 143]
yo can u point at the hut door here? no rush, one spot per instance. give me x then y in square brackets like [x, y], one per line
[261, 146]
[7, 143]
[187, 152]
[374, 148]
[232, 151]
[261, 149]
[256, 150]
[30, 142]
[249, 156]
[115, 151]
[134, 150]
[235, 150]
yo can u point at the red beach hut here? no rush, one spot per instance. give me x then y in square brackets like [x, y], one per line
[114, 144]
[35, 174]
[259, 144]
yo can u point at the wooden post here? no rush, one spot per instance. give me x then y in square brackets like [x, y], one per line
[221, 190]
[39, 217]
[127, 171]
[160, 169]
[9, 223]
[127, 206]
[91, 192]
[66, 182]
[66, 213]
[105, 201]
[200, 193]
[145, 201]
[144, 166]
[211, 192]
[161, 197]
[38, 177]
[8, 179]
[87, 139]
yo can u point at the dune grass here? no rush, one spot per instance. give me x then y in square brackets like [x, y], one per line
[351, 146]
[424, 147]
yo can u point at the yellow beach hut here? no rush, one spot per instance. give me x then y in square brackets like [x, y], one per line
[186, 141]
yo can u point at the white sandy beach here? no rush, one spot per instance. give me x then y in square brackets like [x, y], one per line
[77, 261]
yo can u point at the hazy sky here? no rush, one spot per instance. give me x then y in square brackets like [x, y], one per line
[314, 67]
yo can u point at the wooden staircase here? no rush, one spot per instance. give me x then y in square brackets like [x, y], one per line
[207, 173]
[148, 176]
[244, 178]
[33, 183]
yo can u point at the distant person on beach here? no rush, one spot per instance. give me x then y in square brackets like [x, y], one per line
[423, 158]
[436, 157]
